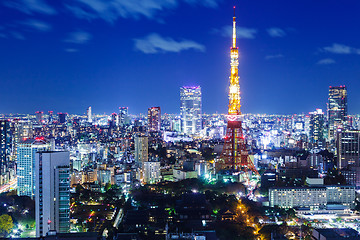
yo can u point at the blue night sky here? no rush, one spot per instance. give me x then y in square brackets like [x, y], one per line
[67, 55]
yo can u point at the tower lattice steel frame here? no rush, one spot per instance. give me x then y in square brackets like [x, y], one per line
[235, 155]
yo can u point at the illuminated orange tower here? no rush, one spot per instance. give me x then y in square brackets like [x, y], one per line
[235, 155]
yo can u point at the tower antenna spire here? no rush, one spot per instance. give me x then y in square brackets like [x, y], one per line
[234, 30]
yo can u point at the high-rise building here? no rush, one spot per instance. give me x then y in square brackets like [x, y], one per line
[88, 114]
[151, 172]
[154, 119]
[62, 117]
[348, 148]
[337, 109]
[114, 120]
[141, 149]
[5, 141]
[190, 109]
[39, 116]
[316, 132]
[123, 116]
[26, 164]
[52, 198]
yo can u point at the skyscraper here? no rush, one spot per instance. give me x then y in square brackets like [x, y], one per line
[154, 119]
[123, 116]
[88, 114]
[337, 108]
[348, 148]
[190, 109]
[26, 164]
[52, 198]
[141, 149]
[316, 132]
[4, 148]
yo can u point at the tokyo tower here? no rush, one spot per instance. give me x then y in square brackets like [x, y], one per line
[235, 155]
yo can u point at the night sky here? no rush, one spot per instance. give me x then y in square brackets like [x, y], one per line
[67, 55]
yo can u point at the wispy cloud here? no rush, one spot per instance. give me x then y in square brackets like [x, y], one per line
[78, 37]
[17, 35]
[341, 49]
[81, 13]
[276, 32]
[154, 43]
[37, 25]
[71, 50]
[206, 3]
[326, 61]
[241, 32]
[111, 10]
[30, 6]
[268, 57]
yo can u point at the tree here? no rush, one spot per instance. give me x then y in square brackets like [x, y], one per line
[6, 223]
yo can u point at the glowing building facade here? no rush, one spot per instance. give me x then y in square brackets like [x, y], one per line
[26, 151]
[5, 140]
[190, 110]
[123, 116]
[154, 119]
[52, 192]
[337, 109]
[316, 132]
[348, 148]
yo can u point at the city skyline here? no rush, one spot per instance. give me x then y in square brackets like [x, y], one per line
[71, 55]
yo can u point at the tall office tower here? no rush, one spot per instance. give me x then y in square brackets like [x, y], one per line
[141, 149]
[123, 116]
[114, 120]
[52, 194]
[337, 108]
[235, 155]
[51, 117]
[39, 116]
[26, 164]
[347, 148]
[88, 114]
[5, 140]
[316, 132]
[154, 119]
[190, 109]
[62, 117]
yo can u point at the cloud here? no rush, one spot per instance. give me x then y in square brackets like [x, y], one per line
[111, 10]
[206, 3]
[81, 13]
[154, 43]
[241, 32]
[31, 6]
[341, 49]
[326, 61]
[38, 25]
[71, 50]
[268, 57]
[78, 37]
[276, 32]
[17, 35]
